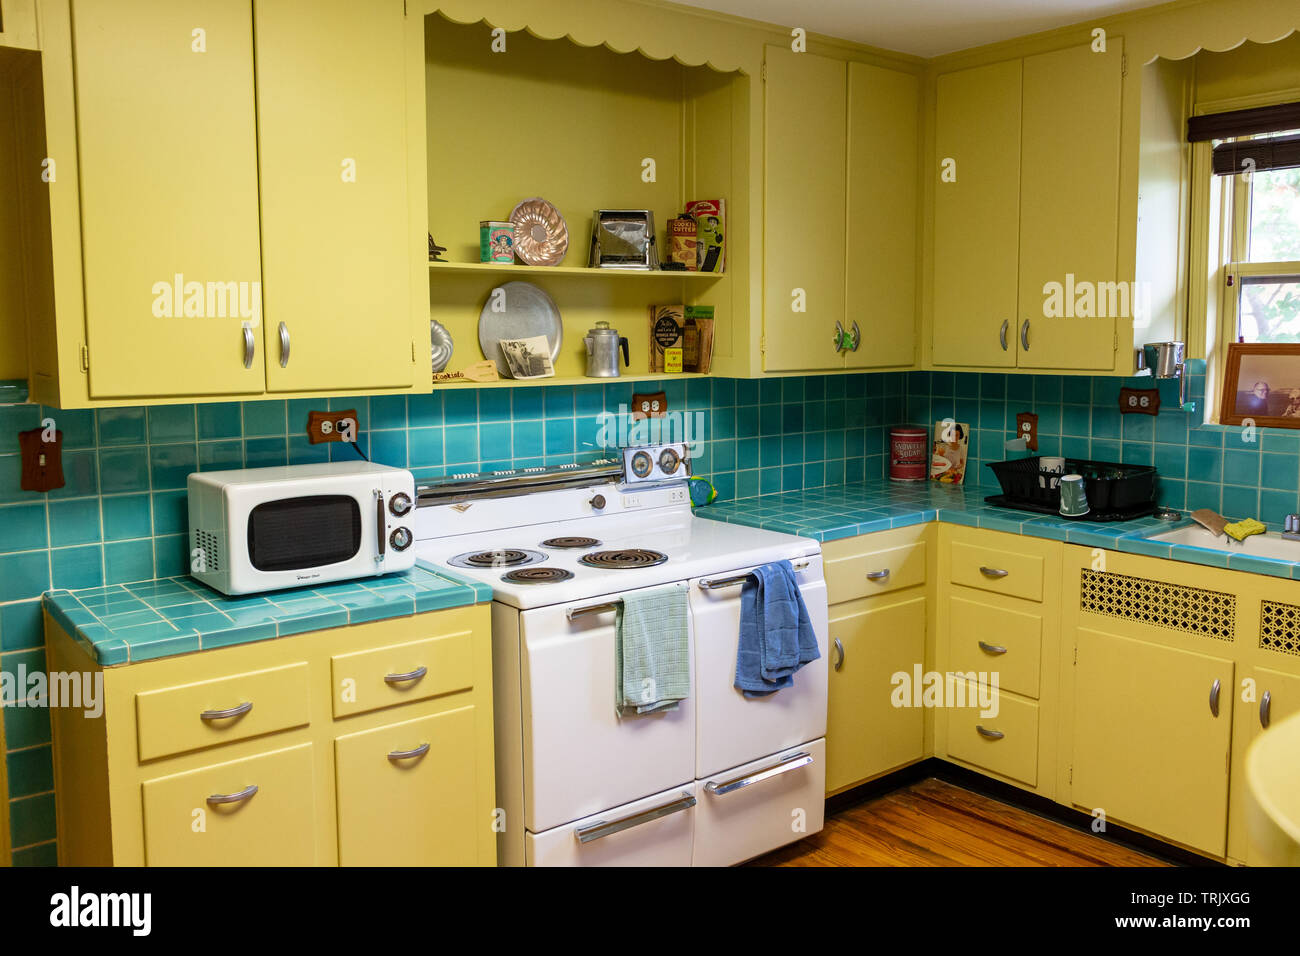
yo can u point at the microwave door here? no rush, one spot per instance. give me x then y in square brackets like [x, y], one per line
[295, 541]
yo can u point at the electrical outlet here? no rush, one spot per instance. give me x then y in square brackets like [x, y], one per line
[338, 425]
[631, 501]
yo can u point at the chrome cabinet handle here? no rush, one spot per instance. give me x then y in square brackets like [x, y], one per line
[1002, 333]
[420, 751]
[1214, 697]
[792, 762]
[839, 337]
[992, 648]
[248, 347]
[1266, 709]
[217, 799]
[284, 345]
[855, 338]
[993, 572]
[839, 654]
[409, 675]
[990, 734]
[1024, 336]
[243, 708]
[878, 575]
[604, 828]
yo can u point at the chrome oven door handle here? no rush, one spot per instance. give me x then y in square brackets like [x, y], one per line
[787, 764]
[604, 828]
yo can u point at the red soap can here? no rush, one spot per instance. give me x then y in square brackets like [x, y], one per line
[909, 453]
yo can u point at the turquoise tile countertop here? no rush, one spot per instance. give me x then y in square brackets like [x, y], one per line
[129, 623]
[843, 511]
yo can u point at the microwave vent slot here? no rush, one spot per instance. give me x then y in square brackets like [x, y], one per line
[209, 550]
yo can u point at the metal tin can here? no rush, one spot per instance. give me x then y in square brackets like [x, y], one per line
[909, 453]
[496, 241]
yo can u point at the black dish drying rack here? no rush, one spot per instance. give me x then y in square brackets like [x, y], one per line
[1115, 492]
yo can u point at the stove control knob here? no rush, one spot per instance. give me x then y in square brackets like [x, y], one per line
[598, 502]
[400, 504]
[400, 539]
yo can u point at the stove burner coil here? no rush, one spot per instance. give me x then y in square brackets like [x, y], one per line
[500, 558]
[537, 575]
[572, 541]
[624, 558]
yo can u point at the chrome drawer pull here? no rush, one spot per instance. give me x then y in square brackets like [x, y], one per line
[839, 651]
[990, 734]
[992, 648]
[603, 828]
[239, 711]
[993, 572]
[792, 762]
[419, 751]
[217, 799]
[409, 675]
[878, 575]
[1266, 709]
[1214, 697]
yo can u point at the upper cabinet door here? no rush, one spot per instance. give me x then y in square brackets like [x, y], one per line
[976, 216]
[880, 251]
[1069, 208]
[168, 156]
[804, 135]
[332, 157]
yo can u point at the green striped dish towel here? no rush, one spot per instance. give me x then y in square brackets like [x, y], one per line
[652, 665]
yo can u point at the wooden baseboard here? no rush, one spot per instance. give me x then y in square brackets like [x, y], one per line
[1005, 792]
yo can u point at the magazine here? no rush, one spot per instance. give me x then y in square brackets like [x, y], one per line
[948, 460]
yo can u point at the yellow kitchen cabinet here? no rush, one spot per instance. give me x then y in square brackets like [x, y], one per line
[167, 153]
[331, 160]
[976, 216]
[1274, 697]
[1152, 729]
[235, 756]
[878, 587]
[18, 24]
[804, 141]
[1026, 196]
[880, 249]
[866, 734]
[407, 792]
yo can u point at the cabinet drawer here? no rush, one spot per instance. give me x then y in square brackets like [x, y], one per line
[416, 810]
[179, 719]
[987, 638]
[1013, 754]
[875, 572]
[402, 673]
[1002, 572]
[188, 823]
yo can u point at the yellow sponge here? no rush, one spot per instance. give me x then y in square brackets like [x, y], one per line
[1242, 529]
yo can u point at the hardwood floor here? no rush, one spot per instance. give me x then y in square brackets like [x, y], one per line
[934, 823]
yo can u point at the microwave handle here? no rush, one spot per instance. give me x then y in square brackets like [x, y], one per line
[379, 523]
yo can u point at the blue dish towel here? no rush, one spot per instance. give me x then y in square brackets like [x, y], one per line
[776, 634]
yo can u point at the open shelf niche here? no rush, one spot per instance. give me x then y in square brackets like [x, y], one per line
[575, 125]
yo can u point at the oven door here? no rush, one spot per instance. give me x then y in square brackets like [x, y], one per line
[580, 758]
[735, 729]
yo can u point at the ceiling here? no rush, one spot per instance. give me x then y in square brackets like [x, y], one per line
[923, 27]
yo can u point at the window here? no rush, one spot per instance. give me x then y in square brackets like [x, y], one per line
[1262, 273]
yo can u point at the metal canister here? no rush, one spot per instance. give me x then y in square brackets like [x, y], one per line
[909, 453]
[496, 241]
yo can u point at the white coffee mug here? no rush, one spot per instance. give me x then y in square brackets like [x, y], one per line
[1053, 464]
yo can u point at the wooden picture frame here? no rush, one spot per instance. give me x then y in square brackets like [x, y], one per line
[1271, 397]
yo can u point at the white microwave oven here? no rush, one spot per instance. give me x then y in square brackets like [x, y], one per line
[261, 529]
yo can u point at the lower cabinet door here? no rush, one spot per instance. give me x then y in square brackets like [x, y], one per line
[751, 809]
[406, 793]
[1151, 737]
[257, 811]
[866, 734]
[654, 831]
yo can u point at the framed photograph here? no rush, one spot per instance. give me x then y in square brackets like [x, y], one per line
[1261, 382]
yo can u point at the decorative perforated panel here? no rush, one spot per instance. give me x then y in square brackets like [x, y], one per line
[1159, 603]
[1279, 627]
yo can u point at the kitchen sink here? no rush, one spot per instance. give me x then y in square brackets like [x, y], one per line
[1268, 545]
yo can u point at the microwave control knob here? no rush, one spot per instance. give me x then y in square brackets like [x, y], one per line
[400, 539]
[400, 504]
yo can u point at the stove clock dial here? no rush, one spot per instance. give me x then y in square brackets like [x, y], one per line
[668, 461]
[641, 464]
